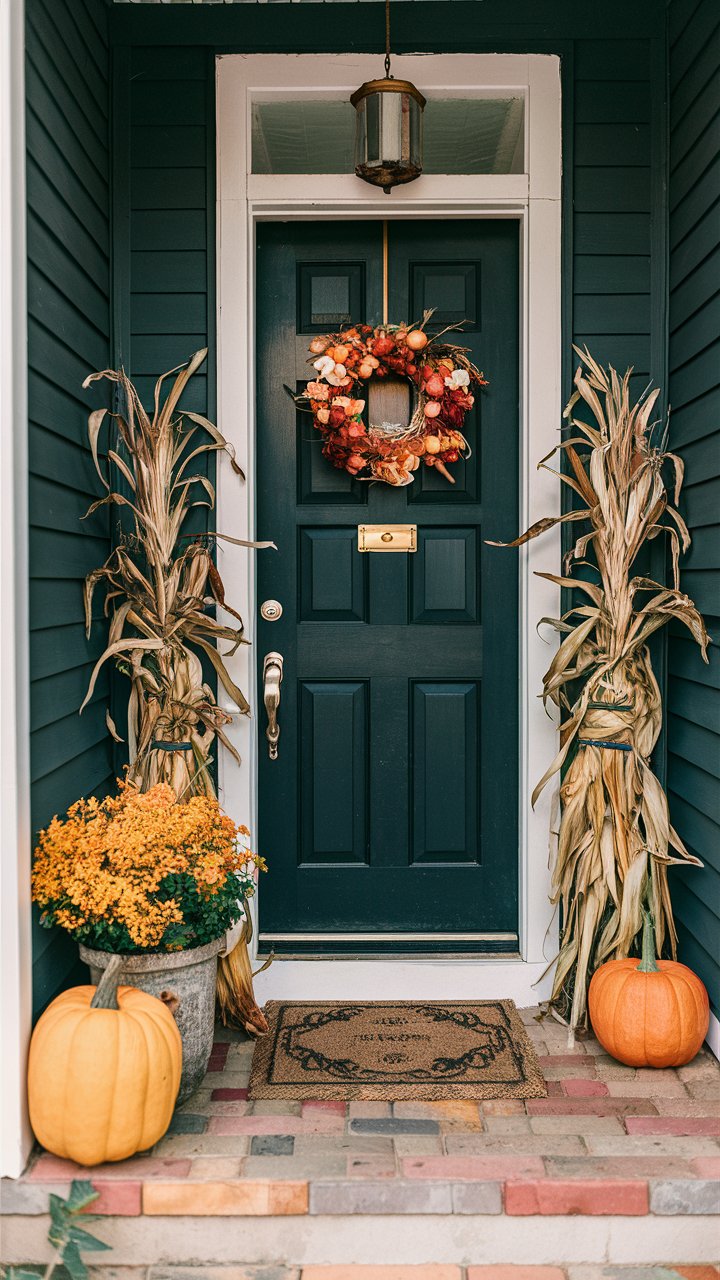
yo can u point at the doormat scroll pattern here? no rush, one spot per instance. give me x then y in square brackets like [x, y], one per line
[395, 1051]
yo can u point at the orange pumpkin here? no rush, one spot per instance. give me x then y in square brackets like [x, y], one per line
[103, 1072]
[648, 1012]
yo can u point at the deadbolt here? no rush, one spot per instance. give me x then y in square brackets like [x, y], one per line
[271, 610]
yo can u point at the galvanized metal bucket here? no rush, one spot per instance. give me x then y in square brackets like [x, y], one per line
[189, 976]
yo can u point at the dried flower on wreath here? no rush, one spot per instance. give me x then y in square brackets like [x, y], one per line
[613, 848]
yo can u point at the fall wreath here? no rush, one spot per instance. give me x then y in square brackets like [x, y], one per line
[440, 373]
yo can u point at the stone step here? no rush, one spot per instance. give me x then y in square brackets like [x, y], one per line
[380, 1238]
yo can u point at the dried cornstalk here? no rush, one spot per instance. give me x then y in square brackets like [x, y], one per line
[612, 850]
[158, 596]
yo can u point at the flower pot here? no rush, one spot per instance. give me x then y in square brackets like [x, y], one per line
[189, 976]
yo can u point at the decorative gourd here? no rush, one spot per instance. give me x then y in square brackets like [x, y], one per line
[648, 1012]
[104, 1071]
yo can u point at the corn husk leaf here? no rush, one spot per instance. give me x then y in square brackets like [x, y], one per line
[613, 845]
[157, 590]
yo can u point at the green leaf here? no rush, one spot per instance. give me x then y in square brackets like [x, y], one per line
[74, 1263]
[84, 1240]
[59, 1218]
[82, 1194]
[17, 1273]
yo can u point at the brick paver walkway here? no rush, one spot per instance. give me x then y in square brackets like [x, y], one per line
[607, 1140]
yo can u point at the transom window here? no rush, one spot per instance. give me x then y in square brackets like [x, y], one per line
[469, 135]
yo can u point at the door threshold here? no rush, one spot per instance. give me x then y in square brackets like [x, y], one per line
[386, 945]
[424, 953]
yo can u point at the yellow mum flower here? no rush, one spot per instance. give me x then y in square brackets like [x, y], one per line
[135, 866]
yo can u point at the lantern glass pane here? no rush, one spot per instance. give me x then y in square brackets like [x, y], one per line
[388, 146]
[461, 135]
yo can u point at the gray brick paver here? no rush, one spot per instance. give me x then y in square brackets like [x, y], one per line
[272, 1144]
[477, 1197]
[350, 1144]
[294, 1168]
[392, 1197]
[393, 1125]
[187, 1122]
[685, 1196]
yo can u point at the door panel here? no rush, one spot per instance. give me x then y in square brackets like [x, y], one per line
[333, 737]
[392, 806]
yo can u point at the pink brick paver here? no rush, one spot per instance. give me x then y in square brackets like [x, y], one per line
[117, 1199]
[706, 1166]
[555, 1197]
[679, 1126]
[52, 1169]
[583, 1088]
[315, 1105]
[591, 1107]
[513, 1272]
[353, 1271]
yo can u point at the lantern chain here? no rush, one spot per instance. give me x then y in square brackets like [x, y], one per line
[387, 39]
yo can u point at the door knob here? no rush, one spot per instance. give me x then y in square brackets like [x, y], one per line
[271, 610]
[272, 679]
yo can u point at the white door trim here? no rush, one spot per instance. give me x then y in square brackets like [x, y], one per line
[15, 930]
[534, 199]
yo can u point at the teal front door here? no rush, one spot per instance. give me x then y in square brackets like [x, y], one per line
[390, 817]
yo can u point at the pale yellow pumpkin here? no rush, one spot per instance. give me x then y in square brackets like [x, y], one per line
[102, 1080]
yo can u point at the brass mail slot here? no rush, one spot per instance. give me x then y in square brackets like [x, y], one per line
[387, 537]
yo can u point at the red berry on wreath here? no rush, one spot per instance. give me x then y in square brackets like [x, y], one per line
[435, 386]
[383, 346]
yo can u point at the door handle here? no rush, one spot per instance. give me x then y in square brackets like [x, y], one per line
[272, 679]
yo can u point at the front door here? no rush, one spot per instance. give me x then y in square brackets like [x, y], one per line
[389, 818]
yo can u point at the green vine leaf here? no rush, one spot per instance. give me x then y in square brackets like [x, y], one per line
[65, 1233]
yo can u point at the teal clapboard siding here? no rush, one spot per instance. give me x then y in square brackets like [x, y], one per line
[165, 99]
[68, 285]
[693, 698]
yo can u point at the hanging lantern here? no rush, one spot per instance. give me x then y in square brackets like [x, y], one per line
[388, 127]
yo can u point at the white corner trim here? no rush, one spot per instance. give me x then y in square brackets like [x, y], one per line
[712, 1038]
[15, 935]
[533, 199]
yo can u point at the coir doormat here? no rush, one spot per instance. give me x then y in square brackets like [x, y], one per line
[395, 1050]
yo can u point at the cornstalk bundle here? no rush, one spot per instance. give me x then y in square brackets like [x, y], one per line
[613, 848]
[157, 597]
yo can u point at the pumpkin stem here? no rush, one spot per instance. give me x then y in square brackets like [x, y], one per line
[106, 991]
[648, 963]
